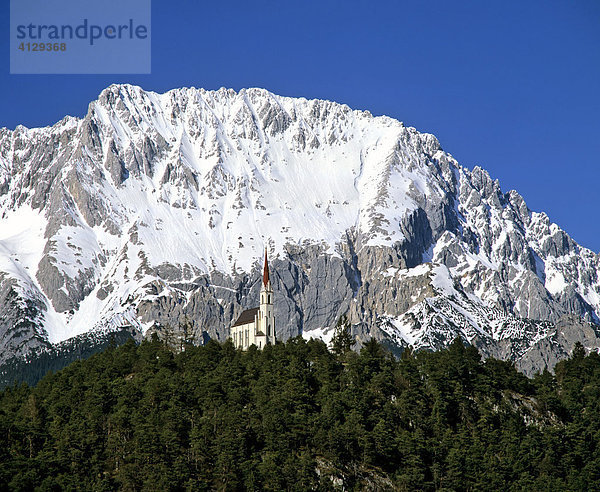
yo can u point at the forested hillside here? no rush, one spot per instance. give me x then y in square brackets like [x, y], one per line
[298, 417]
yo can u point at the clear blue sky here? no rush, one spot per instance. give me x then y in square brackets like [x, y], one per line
[510, 85]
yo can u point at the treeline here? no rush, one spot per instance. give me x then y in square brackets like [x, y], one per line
[36, 365]
[298, 417]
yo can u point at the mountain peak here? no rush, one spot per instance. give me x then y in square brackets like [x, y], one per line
[156, 206]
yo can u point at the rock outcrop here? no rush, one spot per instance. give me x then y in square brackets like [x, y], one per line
[155, 208]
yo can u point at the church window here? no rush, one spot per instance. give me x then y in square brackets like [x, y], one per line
[269, 299]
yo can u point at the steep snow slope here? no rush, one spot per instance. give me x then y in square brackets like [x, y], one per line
[156, 206]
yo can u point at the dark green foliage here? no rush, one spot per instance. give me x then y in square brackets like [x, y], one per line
[54, 358]
[297, 417]
[342, 340]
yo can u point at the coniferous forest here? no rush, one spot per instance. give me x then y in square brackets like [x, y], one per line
[296, 416]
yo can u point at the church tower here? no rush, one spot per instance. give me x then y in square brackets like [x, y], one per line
[266, 317]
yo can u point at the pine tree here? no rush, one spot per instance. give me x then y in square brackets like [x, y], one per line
[342, 340]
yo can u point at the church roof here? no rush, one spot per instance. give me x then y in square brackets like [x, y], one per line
[266, 270]
[247, 316]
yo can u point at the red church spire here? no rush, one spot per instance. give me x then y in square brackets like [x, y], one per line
[266, 270]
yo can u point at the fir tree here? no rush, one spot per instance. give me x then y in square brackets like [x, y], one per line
[342, 340]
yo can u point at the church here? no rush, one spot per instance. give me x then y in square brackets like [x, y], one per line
[256, 326]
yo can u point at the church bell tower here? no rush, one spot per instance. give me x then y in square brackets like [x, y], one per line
[266, 318]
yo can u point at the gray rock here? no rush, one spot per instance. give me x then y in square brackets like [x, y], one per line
[20, 319]
[500, 257]
[559, 344]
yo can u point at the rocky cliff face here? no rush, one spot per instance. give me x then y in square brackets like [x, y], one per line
[156, 207]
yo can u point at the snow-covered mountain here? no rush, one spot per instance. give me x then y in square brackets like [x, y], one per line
[154, 207]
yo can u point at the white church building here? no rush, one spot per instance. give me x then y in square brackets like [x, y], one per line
[256, 326]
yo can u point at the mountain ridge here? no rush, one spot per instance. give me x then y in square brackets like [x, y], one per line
[157, 206]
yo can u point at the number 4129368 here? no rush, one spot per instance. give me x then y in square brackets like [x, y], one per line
[43, 47]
